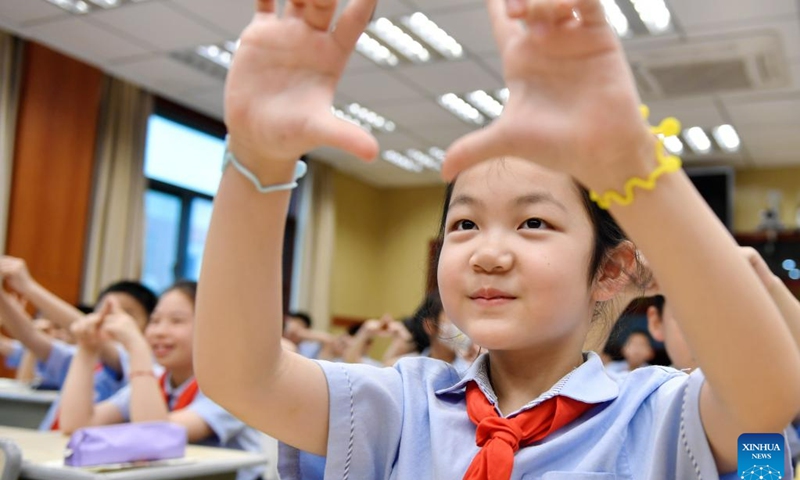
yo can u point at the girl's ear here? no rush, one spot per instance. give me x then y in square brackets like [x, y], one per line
[655, 324]
[616, 273]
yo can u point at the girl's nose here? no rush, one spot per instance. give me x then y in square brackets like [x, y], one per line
[492, 257]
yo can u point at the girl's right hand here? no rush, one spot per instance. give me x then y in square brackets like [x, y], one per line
[15, 271]
[281, 84]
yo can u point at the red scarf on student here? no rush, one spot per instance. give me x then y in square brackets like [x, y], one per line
[500, 438]
[185, 399]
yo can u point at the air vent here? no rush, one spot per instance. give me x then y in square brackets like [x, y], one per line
[697, 67]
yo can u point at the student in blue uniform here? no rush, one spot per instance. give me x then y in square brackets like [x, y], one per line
[169, 396]
[528, 261]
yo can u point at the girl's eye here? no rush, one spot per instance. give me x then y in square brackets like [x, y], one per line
[534, 223]
[465, 225]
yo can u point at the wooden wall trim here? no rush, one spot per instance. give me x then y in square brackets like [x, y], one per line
[53, 168]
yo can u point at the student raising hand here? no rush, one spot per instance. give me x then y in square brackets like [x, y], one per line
[563, 67]
[288, 112]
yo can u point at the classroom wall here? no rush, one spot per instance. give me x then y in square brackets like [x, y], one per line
[750, 196]
[381, 250]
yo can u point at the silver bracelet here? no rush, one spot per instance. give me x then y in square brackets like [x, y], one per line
[230, 159]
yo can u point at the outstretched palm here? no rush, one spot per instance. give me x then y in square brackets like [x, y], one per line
[571, 92]
[281, 84]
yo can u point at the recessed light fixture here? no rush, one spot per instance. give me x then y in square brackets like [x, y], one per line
[789, 265]
[654, 14]
[73, 6]
[698, 140]
[106, 3]
[794, 274]
[375, 51]
[218, 55]
[616, 18]
[727, 138]
[502, 94]
[460, 108]
[485, 103]
[423, 159]
[365, 115]
[674, 145]
[399, 40]
[436, 153]
[346, 116]
[401, 161]
[427, 30]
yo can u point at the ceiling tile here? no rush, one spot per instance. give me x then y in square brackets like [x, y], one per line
[774, 112]
[230, 16]
[469, 27]
[18, 12]
[377, 87]
[456, 76]
[426, 114]
[156, 24]
[163, 74]
[694, 14]
[79, 38]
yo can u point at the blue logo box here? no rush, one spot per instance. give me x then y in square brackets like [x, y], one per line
[761, 456]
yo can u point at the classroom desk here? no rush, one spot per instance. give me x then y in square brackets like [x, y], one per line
[42, 459]
[22, 406]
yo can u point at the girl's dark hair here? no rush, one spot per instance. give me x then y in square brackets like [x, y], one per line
[186, 287]
[607, 236]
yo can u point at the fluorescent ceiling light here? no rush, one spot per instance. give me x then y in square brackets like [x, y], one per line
[674, 145]
[789, 265]
[616, 18]
[436, 153]
[401, 161]
[218, 55]
[727, 138]
[375, 51]
[654, 14]
[365, 115]
[485, 103]
[698, 140]
[399, 40]
[433, 35]
[502, 94]
[423, 159]
[794, 274]
[231, 45]
[106, 3]
[72, 6]
[345, 116]
[460, 108]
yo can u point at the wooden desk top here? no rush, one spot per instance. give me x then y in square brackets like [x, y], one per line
[43, 459]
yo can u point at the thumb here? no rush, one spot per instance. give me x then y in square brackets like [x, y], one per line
[484, 144]
[339, 133]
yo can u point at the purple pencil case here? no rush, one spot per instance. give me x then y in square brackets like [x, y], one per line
[125, 443]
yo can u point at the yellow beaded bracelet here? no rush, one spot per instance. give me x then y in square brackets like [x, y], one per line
[666, 164]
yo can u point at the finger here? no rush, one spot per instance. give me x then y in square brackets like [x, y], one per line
[352, 22]
[334, 132]
[319, 13]
[591, 12]
[114, 306]
[294, 8]
[265, 6]
[105, 310]
[503, 26]
[487, 143]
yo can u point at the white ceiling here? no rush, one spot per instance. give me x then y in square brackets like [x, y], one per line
[134, 42]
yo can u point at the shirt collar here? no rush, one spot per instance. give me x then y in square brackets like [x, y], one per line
[588, 383]
[177, 391]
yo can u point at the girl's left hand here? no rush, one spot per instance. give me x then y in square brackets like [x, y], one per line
[573, 105]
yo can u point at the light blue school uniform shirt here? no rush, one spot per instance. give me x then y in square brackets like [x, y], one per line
[229, 431]
[53, 372]
[410, 422]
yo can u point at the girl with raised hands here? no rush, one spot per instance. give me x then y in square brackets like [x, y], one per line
[171, 394]
[528, 261]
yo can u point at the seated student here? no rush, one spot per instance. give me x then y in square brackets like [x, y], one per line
[172, 396]
[664, 327]
[361, 336]
[637, 351]
[297, 328]
[133, 297]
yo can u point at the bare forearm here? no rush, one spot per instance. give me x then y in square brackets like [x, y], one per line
[147, 401]
[19, 326]
[77, 394]
[237, 343]
[51, 306]
[109, 356]
[26, 371]
[355, 351]
[718, 299]
[788, 305]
